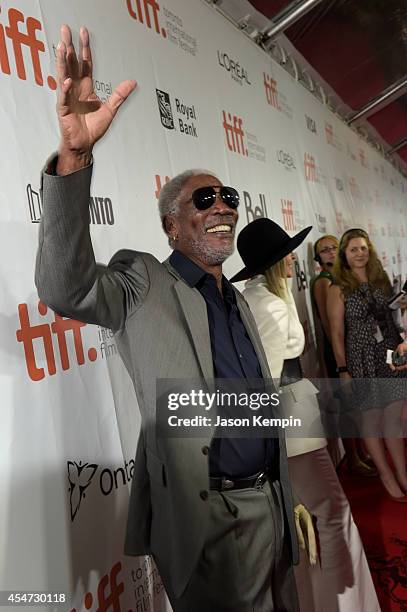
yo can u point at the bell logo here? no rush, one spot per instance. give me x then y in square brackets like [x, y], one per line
[27, 333]
[233, 127]
[140, 11]
[254, 212]
[288, 214]
[270, 86]
[19, 39]
[310, 168]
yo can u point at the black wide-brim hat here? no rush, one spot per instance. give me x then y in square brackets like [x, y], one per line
[263, 243]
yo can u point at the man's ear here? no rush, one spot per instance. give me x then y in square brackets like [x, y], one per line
[170, 226]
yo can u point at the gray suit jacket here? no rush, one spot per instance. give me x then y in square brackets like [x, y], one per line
[161, 328]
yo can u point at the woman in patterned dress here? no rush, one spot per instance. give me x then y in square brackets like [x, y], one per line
[362, 330]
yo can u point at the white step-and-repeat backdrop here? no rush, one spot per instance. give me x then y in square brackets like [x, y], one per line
[209, 98]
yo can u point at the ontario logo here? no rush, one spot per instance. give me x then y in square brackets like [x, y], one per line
[82, 474]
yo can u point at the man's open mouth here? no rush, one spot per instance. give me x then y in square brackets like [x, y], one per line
[219, 228]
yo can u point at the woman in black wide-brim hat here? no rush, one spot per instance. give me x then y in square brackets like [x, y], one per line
[341, 581]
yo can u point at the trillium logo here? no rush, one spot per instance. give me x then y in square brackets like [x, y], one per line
[79, 478]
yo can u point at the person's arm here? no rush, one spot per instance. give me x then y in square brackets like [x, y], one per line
[67, 276]
[336, 317]
[271, 316]
[320, 293]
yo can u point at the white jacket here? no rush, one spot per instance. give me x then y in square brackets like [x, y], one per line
[283, 338]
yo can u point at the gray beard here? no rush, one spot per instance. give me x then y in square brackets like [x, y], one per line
[211, 256]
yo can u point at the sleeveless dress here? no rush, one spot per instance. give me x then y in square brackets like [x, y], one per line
[366, 354]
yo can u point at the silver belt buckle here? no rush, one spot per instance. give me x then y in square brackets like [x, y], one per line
[227, 484]
[260, 481]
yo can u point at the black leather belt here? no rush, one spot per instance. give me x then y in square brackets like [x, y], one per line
[291, 372]
[221, 483]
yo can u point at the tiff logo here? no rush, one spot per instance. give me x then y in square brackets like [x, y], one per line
[310, 168]
[288, 214]
[354, 187]
[140, 11]
[109, 592]
[28, 333]
[234, 133]
[26, 36]
[329, 133]
[270, 86]
[159, 185]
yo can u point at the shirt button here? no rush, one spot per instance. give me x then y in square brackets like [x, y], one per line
[240, 355]
[204, 495]
[205, 450]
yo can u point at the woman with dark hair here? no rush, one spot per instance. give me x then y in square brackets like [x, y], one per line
[341, 581]
[362, 330]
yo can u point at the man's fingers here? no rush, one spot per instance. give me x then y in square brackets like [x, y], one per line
[85, 54]
[62, 104]
[120, 94]
[70, 56]
[62, 70]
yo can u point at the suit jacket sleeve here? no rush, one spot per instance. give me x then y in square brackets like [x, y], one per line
[67, 276]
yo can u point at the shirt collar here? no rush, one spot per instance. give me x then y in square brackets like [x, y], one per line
[193, 274]
[186, 268]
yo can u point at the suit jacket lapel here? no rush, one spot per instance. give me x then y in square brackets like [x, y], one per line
[196, 317]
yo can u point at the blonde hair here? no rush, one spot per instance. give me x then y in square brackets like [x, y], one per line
[276, 280]
[343, 275]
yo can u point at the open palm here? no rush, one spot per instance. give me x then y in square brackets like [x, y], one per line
[83, 118]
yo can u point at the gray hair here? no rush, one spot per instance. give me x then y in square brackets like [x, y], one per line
[168, 202]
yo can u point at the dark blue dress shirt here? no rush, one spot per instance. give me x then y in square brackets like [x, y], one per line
[233, 358]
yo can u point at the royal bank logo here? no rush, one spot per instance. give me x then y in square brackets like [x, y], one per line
[164, 106]
[185, 114]
[237, 72]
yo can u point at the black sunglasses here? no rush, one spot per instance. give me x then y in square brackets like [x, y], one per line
[205, 197]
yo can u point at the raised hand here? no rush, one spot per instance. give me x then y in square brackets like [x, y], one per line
[83, 118]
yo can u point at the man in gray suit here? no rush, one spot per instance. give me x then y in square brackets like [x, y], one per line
[221, 531]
